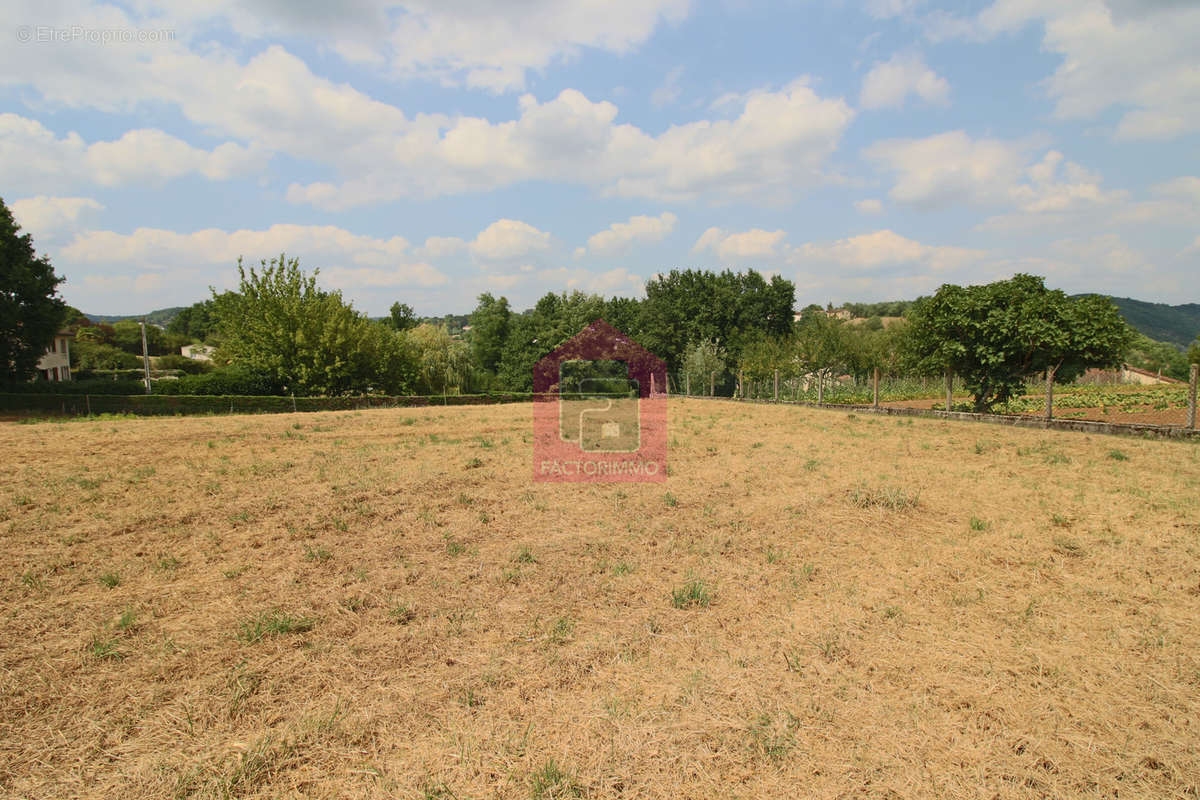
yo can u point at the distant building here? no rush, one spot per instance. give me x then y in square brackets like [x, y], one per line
[197, 352]
[55, 365]
[1126, 374]
[836, 313]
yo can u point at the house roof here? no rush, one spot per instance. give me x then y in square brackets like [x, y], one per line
[1149, 374]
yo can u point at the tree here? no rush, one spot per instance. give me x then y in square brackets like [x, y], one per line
[127, 335]
[31, 311]
[821, 346]
[442, 362]
[87, 354]
[555, 319]
[1193, 353]
[489, 329]
[703, 363]
[198, 321]
[401, 317]
[998, 335]
[1163, 357]
[303, 339]
[684, 307]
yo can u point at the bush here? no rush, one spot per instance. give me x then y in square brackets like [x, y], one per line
[94, 355]
[189, 365]
[87, 385]
[232, 380]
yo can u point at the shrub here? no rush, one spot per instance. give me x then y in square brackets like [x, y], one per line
[95, 355]
[189, 365]
[231, 380]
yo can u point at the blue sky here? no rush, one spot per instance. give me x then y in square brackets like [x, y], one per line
[430, 150]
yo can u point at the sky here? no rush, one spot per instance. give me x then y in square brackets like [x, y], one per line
[426, 151]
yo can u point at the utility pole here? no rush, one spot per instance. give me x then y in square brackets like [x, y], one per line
[145, 357]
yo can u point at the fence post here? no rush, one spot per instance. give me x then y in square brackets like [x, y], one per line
[820, 388]
[712, 384]
[741, 385]
[687, 384]
[875, 390]
[776, 386]
[1049, 394]
[1192, 396]
[87, 398]
[949, 390]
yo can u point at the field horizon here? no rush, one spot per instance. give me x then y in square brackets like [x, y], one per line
[383, 604]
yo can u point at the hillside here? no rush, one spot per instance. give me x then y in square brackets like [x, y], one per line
[1178, 325]
[162, 317]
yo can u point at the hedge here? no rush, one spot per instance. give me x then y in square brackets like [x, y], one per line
[157, 404]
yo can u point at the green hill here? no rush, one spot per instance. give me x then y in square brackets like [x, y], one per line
[162, 317]
[1178, 325]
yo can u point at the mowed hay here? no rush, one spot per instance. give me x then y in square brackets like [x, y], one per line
[383, 604]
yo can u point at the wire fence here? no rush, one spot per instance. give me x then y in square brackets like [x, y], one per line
[1170, 404]
[1166, 404]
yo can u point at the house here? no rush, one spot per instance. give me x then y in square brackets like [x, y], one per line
[1126, 375]
[55, 365]
[835, 313]
[197, 352]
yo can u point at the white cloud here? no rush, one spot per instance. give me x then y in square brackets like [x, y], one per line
[1104, 253]
[952, 169]
[737, 248]
[508, 239]
[348, 259]
[949, 168]
[1175, 202]
[883, 249]
[889, 83]
[49, 219]
[30, 153]
[620, 236]
[437, 247]
[488, 44]
[1136, 56]
[870, 205]
[776, 146]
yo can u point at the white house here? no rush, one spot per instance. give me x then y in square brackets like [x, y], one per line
[55, 365]
[197, 352]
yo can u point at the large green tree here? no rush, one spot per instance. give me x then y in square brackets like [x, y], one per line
[553, 320]
[442, 362]
[306, 340]
[996, 336]
[683, 307]
[401, 317]
[489, 328]
[31, 311]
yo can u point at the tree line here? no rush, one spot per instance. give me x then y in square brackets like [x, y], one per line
[280, 332]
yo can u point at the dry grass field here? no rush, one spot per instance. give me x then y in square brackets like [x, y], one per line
[383, 604]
